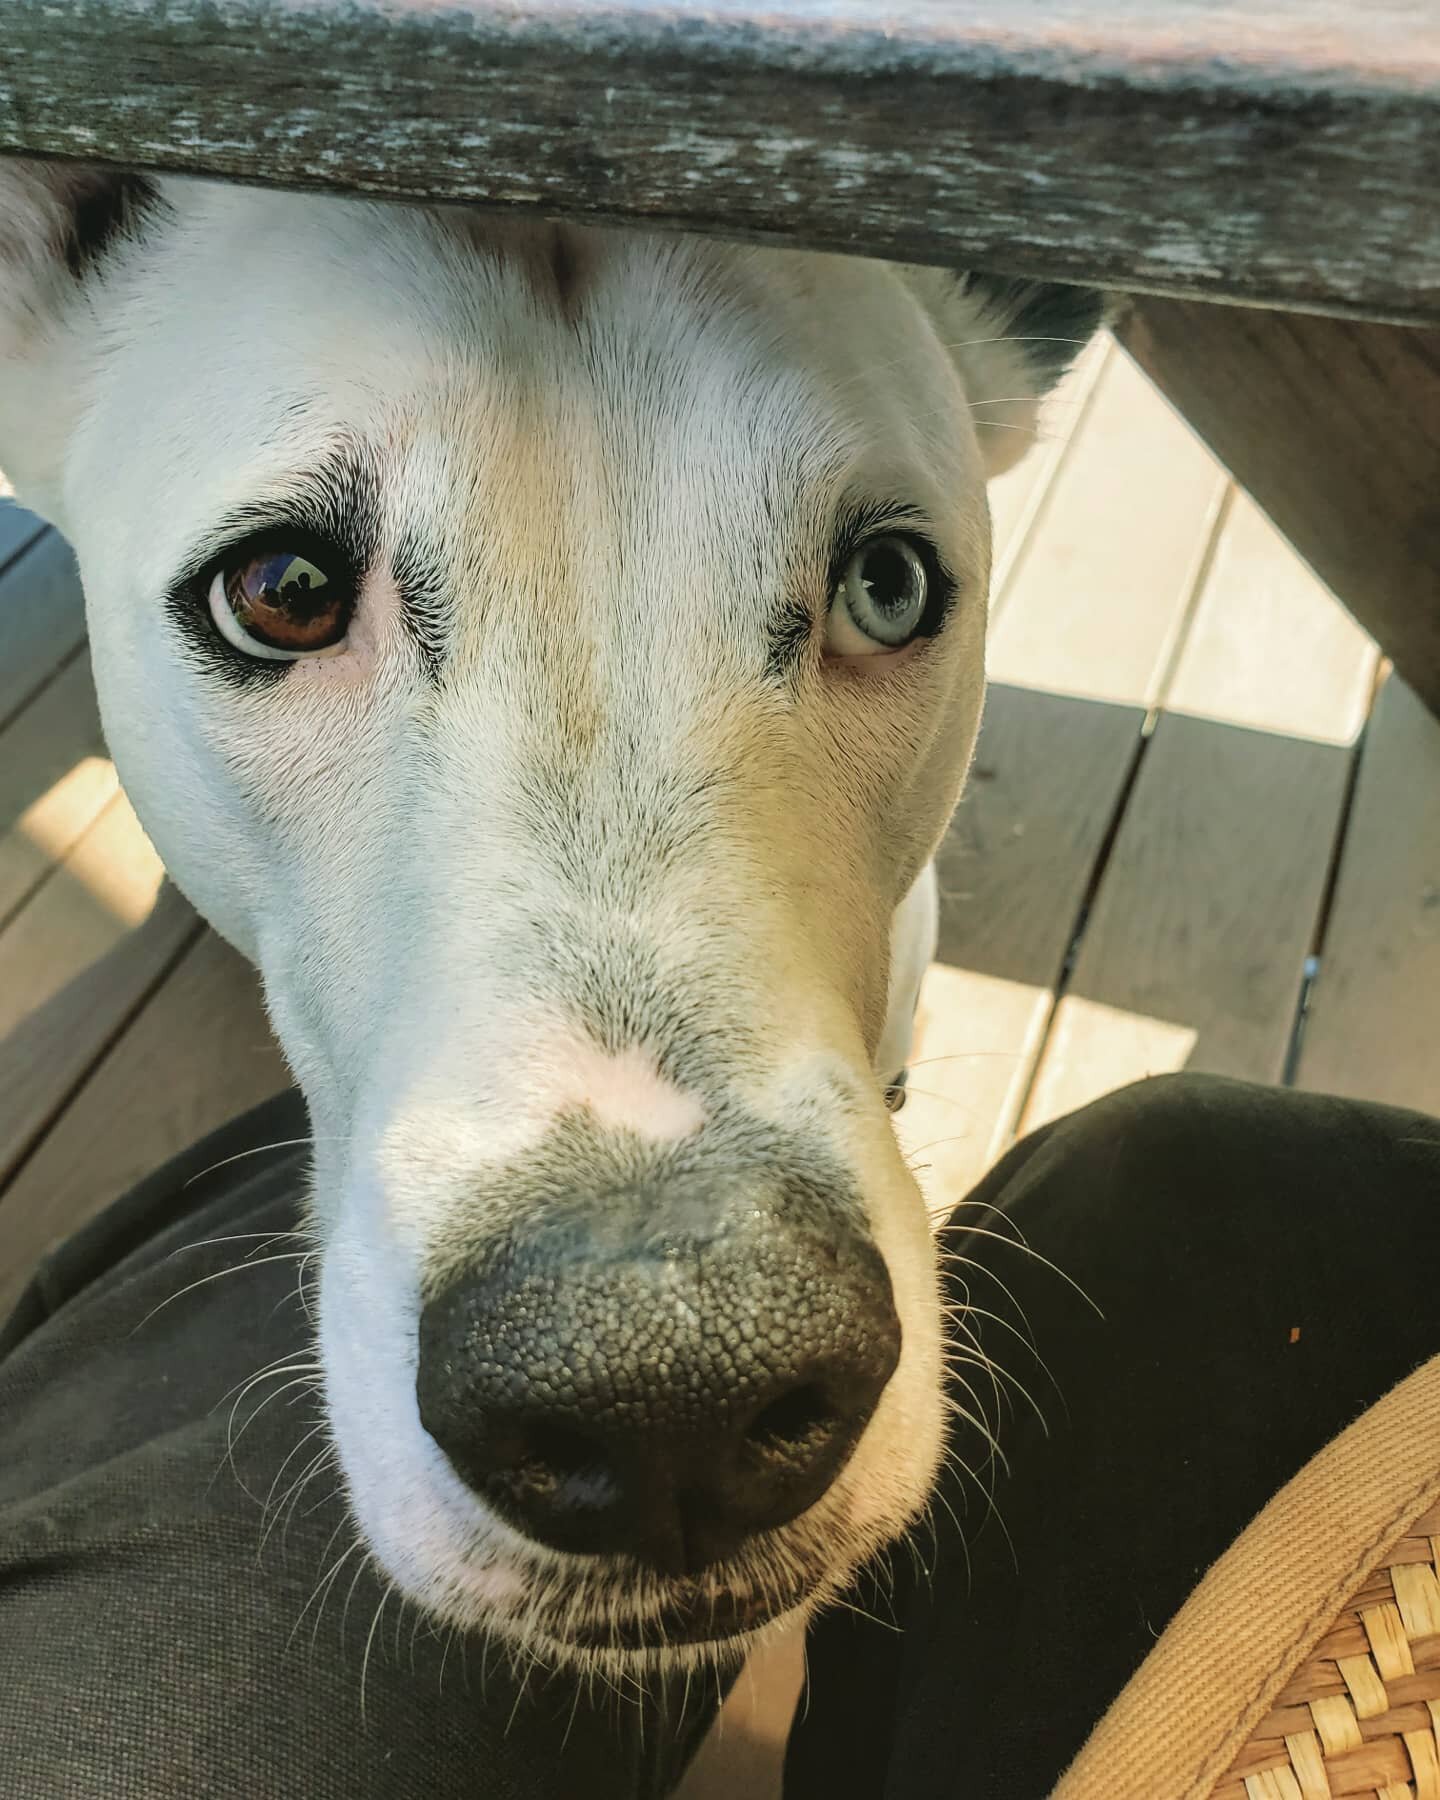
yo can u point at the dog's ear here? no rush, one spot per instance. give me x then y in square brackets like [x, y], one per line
[1012, 341]
[59, 222]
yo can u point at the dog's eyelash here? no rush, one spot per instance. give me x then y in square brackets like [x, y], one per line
[874, 518]
[206, 646]
[334, 504]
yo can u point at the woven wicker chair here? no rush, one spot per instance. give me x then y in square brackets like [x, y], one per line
[1306, 1665]
[1361, 1714]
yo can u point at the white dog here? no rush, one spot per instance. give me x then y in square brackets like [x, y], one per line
[553, 655]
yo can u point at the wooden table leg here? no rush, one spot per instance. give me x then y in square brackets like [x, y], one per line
[1334, 428]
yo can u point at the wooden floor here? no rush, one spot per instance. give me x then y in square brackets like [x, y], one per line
[1202, 831]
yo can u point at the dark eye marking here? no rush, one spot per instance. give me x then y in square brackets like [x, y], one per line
[790, 631]
[425, 599]
[106, 208]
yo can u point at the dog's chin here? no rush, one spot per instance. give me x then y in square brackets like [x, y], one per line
[611, 1615]
[704, 1627]
[607, 1616]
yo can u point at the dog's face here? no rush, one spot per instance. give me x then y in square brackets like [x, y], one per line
[553, 656]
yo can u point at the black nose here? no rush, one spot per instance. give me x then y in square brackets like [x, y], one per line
[662, 1399]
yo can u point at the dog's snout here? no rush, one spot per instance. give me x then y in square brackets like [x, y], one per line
[662, 1400]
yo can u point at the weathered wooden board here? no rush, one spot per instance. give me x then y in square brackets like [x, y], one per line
[1334, 428]
[1373, 1028]
[198, 1053]
[1194, 954]
[55, 778]
[42, 620]
[75, 962]
[1285, 155]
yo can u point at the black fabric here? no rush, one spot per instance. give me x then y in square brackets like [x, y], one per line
[1264, 1267]
[155, 1643]
[1263, 1263]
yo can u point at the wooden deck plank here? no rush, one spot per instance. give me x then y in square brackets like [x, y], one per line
[198, 1053]
[18, 529]
[42, 620]
[1270, 648]
[1017, 497]
[1195, 952]
[75, 962]
[1373, 1028]
[1014, 869]
[55, 779]
[1096, 599]
[744, 1750]
[1085, 631]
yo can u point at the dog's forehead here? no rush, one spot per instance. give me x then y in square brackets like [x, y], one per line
[506, 362]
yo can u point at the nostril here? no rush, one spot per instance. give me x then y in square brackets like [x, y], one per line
[537, 1463]
[565, 1452]
[798, 1422]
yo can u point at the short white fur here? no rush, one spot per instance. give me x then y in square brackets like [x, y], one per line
[621, 474]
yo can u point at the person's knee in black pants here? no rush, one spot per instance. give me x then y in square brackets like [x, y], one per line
[1163, 1305]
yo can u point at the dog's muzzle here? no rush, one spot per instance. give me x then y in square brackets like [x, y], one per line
[663, 1390]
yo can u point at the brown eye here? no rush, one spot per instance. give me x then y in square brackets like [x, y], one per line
[281, 605]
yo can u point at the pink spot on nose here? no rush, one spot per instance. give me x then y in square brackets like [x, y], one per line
[627, 1092]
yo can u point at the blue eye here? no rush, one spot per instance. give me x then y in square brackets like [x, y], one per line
[880, 603]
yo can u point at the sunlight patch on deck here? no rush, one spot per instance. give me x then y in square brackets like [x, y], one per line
[1093, 1049]
[118, 867]
[54, 821]
[104, 890]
